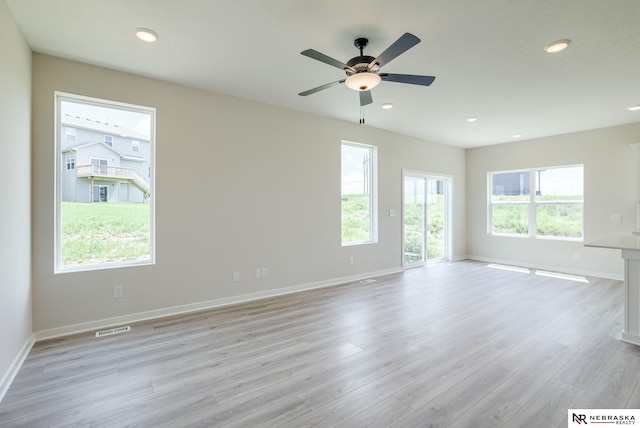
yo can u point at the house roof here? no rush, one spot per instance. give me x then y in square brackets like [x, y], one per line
[487, 57]
[102, 127]
[82, 146]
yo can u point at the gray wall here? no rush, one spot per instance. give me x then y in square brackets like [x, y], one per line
[15, 194]
[263, 195]
[610, 174]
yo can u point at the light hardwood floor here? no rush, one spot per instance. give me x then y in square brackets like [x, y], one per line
[455, 344]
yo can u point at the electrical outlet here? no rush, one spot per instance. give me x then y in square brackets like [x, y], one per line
[350, 260]
[236, 276]
[576, 256]
[265, 272]
[118, 291]
[257, 273]
[616, 217]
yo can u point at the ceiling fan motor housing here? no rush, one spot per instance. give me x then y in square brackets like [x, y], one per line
[361, 65]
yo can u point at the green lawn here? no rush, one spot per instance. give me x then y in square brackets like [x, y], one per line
[413, 221]
[355, 218]
[96, 233]
[355, 225]
[553, 220]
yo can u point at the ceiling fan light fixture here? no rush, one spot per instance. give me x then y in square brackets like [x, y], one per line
[146, 35]
[557, 46]
[634, 108]
[363, 81]
[472, 119]
[387, 106]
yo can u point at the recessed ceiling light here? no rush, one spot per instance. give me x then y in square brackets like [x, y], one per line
[472, 119]
[517, 135]
[387, 106]
[634, 108]
[557, 46]
[146, 35]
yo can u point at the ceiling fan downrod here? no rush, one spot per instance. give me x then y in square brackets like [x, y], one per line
[361, 43]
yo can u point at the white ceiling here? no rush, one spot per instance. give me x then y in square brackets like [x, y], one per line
[487, 57]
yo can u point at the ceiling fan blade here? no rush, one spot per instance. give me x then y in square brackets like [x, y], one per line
[321, 88]
[411, 79]
[365, 98]
[400, 46]
[311, 53]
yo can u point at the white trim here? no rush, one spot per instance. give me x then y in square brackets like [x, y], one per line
[448, 209]
[59, 97]
[200, 306]
[372, 181]
[630, 338]
[560, 269]
[15, 366]
[532, 203]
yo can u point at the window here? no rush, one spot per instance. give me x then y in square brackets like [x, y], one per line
[135, 145]
[100, 223]
[99, 166]
[554, 210]
[70, 134]
[71, 161]
[359, 205]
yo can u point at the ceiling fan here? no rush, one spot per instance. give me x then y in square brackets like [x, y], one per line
[363, 71]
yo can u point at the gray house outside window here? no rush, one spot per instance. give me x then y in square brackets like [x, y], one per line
[104, 173]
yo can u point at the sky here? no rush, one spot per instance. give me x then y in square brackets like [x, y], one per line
[352, 169]
[562, 181]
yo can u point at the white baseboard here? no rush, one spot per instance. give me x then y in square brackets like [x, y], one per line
[633, 339]
[559, 269]
[11, 373]
[199, 306]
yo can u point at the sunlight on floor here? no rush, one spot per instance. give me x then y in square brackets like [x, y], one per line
[575, 278]
[562, 276]
[509, 268]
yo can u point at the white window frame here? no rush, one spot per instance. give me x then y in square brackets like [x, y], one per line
[99, 165]
[60, 97]
[70, 160]
[372, 185]
[108, 140]
[531, 203]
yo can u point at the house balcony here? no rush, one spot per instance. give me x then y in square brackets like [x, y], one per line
[115, 173]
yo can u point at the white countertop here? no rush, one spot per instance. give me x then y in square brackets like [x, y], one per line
[622, 242]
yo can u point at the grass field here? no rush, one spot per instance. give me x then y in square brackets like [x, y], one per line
[355, 225]
[413, 221]
[355, 218]
[553, 220]
[96, 233]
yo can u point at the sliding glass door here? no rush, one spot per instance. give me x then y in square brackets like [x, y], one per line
[424, 218]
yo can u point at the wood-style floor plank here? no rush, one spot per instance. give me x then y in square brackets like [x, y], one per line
[547, 407]
[451, 345]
